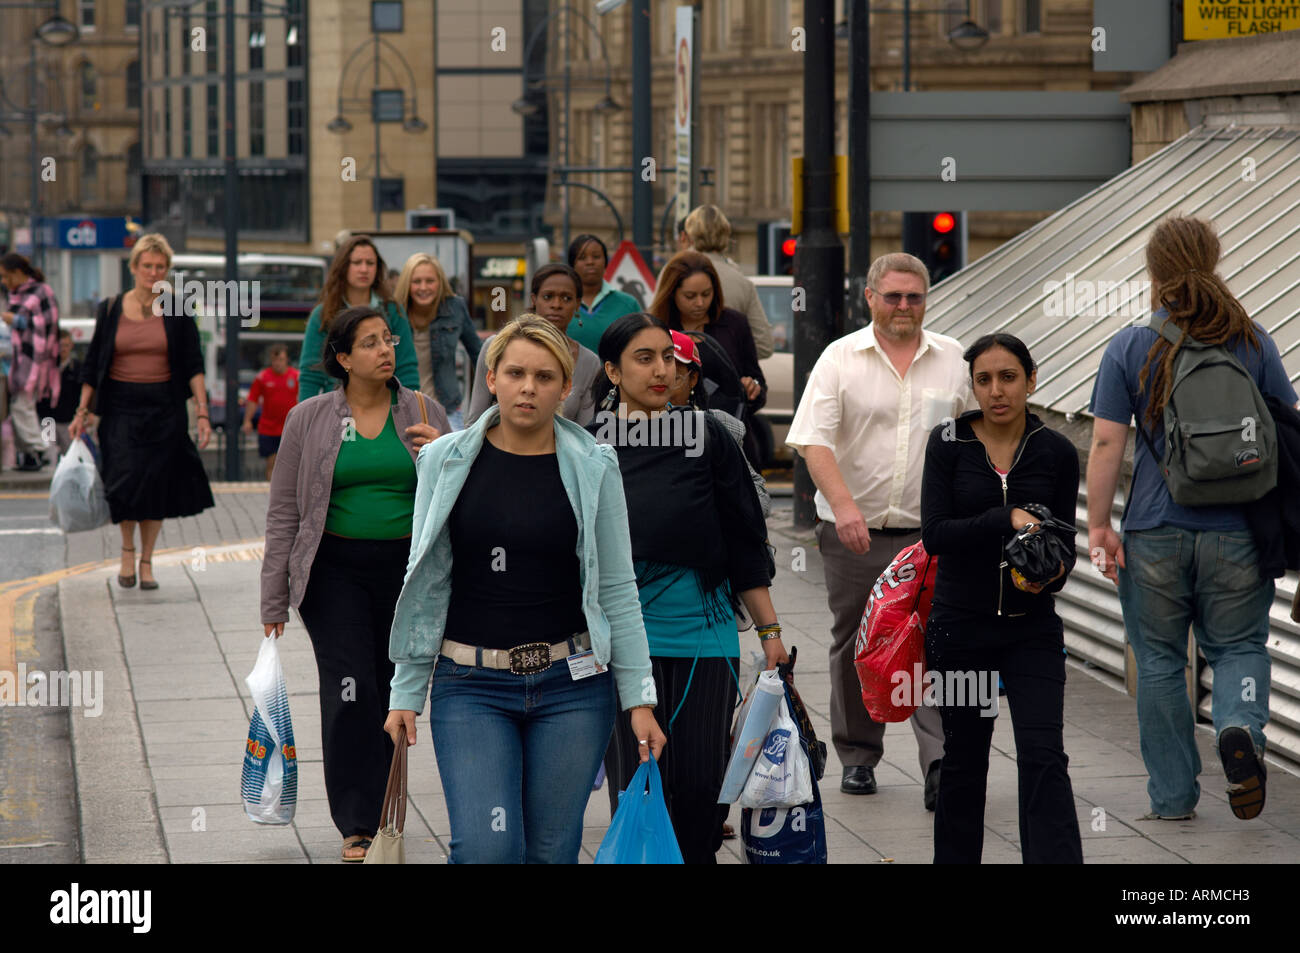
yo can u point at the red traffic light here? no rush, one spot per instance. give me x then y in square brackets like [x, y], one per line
[788, 246]
[944, 223]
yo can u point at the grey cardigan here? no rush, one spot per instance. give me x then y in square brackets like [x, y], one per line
[300, 489]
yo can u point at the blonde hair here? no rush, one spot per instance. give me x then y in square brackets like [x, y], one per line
[897, 261]
[708, 229]
[152, 242]
[533, 328]
[402, 294]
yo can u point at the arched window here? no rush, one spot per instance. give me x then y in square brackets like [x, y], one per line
[89, 83]
[89, 174]
[133, 84]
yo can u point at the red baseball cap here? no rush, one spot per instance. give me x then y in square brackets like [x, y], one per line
[684, 349]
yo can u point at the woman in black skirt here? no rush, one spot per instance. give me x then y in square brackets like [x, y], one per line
[143, 363]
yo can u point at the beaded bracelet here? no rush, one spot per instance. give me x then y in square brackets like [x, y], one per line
[767, 633]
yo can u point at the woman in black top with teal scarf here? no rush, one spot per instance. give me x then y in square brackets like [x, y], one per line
[698, 545]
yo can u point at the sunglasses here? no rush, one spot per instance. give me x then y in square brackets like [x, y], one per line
[895, 298]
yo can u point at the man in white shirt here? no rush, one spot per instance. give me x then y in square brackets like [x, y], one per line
[862, 426]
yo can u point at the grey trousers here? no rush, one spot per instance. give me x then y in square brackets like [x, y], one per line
[857, 738]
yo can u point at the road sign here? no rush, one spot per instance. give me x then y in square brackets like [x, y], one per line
[627, 271]
[1224, 19]
[685, 71]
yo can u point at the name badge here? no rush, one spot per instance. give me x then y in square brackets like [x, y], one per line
[583, 665]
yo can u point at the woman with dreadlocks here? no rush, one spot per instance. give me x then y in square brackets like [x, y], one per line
[1179, 565]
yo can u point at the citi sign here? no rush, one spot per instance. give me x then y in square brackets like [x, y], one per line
[82, 234]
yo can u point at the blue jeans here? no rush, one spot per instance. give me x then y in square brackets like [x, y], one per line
[518, 755]
[1209, 580]
[456, 418]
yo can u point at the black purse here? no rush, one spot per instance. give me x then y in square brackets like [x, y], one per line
[1037, 555]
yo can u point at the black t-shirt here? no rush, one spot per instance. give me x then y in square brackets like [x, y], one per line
[514, 543]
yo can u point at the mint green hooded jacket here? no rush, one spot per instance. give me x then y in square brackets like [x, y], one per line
[591, 477]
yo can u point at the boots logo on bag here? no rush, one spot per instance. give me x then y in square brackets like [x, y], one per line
[777, 741]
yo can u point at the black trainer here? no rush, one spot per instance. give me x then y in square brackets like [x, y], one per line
[1245, 771]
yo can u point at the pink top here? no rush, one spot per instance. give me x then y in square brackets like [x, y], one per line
[1001, 472]
[140, 352]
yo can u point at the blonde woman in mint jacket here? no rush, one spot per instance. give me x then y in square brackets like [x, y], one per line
[520, 601]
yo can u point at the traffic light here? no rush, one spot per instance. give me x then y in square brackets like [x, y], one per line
[938, 239]
[430, 219]
[776, 248]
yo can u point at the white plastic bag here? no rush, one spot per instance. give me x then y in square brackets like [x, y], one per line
[749, 732]
[269, 780]
[77, 501]
[781, 776]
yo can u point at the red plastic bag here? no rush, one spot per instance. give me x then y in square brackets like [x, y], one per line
[891, 637]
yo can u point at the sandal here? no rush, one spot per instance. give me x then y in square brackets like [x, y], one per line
[356, 842]
[149, 583]
[126, 582]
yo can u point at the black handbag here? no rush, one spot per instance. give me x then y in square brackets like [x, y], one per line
[1037, 555]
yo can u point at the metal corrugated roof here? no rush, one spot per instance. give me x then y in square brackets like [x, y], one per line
[1245, 179]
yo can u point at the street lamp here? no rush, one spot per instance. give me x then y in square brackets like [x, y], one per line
[355, 103]
[966, 36]
[55, 32]
[527, 104]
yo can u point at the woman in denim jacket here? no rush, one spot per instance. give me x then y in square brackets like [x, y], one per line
[439, 321]
[520, 601]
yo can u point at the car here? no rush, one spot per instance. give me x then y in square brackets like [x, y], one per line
[775, 292]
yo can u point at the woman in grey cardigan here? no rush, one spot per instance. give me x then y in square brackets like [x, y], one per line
[338, 529]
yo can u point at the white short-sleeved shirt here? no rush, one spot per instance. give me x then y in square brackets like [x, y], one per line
[876, 423]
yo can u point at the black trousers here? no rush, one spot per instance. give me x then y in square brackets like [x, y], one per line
[1028, 653]
[695, 758]
[348, 610]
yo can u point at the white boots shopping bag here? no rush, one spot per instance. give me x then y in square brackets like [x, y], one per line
[269, 780]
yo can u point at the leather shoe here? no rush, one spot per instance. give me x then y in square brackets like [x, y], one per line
[932, 784]
[859, 779]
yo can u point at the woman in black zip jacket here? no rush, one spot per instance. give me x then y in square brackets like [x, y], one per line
[979, 470]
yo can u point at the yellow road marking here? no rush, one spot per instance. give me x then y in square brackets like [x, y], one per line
[12, 591]
[260, 487]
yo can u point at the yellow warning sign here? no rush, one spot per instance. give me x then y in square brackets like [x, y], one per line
[1227, 19]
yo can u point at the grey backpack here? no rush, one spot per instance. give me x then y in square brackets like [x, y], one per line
[1220, 439]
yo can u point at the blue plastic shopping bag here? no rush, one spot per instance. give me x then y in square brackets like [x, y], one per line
[641, 832]
[269, 780]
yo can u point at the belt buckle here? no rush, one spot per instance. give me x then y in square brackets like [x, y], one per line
[530, 658]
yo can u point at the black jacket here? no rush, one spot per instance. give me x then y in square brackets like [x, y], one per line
[184, 356]
[1274, 519]
[966, 512]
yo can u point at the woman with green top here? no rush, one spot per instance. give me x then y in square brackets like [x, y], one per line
[601, 303]
[338, 530]
[355, 279]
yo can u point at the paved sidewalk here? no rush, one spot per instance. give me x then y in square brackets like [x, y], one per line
[158, 772]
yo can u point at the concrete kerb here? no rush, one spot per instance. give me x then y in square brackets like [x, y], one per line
[115, 790]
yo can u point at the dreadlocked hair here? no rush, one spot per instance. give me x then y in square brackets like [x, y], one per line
[1181, 257]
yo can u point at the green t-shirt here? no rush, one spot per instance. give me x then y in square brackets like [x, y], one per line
[589, 324]
[373, 495]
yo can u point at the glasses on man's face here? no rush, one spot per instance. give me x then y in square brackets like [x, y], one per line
[372, 342]
[895, 298]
